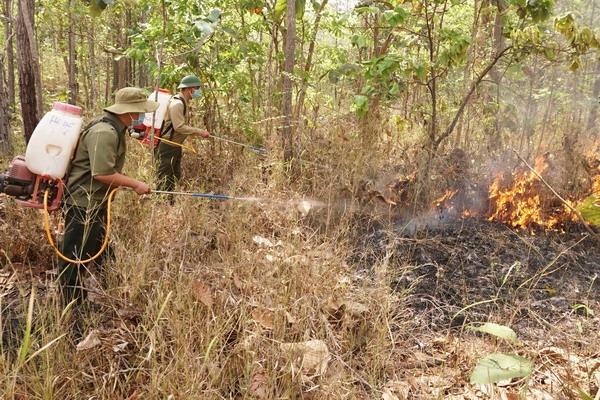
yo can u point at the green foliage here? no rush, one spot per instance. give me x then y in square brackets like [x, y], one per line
[97, 6]
[498, 367]
[347, 69]
[500, 331]
[535, 10]
[588, 310]
[580, 39]
[395, 17]
[590, 209]
[361, 105]
[456, 44]
[281, 7]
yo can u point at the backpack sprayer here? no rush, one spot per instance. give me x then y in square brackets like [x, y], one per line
[46, 160]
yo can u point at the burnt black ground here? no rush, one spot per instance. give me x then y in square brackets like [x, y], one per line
[473, 271]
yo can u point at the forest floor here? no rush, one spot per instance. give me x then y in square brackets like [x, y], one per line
[456, 275]
[461, 274]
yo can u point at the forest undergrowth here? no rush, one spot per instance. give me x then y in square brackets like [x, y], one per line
[317, 284]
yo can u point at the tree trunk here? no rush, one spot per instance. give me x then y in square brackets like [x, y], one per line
[309, 58]
[290, 48]
[591, 124]
[73, 83]
[5, 143]
[30, 85]
[10, 53]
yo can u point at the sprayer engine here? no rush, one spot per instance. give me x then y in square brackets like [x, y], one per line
[29, 189]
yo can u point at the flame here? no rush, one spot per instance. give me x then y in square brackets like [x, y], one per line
[515, 199]
[519, 199]
[444, 201]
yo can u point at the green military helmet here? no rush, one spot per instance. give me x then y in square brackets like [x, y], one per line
[189, 81]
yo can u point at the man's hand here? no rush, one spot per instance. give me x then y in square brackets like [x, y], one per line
[141, 188]
[204, 134]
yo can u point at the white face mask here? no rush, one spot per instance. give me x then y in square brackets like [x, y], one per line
[196, 93]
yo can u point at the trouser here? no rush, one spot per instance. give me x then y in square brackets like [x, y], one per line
[169, 166]
[85, 230]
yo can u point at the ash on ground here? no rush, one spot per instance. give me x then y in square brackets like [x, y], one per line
[472, 271]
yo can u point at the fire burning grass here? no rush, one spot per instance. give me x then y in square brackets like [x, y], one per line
[516, 200]
[519, 199]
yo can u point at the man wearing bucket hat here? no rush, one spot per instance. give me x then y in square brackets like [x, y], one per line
[95, 170]
[175, 131]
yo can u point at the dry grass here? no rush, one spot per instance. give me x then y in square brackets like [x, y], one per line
[232, 299]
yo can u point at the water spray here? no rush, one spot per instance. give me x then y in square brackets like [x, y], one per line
[304, 205]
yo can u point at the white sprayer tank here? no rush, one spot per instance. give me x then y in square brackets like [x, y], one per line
[53, 141]
[159, 115]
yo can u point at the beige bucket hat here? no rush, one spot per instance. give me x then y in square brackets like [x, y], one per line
[131, 100]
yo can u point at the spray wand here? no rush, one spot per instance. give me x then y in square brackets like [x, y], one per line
[206, 195]
[258, 149]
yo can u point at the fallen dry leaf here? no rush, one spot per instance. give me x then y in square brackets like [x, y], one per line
[257, 386]
[309, 357]
[91, 340]
[265, 318]
[203, 294]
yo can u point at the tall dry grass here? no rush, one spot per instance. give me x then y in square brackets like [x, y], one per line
[269, 298]
[208, 299]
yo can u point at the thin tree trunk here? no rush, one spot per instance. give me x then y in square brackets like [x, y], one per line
[287, 109]
[309, 57]
[10, 52]
[73, 84]
[5, 143]
[591, 123]
[30, 85]
[91, 95]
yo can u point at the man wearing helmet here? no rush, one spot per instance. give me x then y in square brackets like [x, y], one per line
[175, 131]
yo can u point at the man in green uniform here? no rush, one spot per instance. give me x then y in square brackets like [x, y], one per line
[95, 171]
[176, 130]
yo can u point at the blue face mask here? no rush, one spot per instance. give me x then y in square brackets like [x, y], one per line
[139, 120]
[196, 93]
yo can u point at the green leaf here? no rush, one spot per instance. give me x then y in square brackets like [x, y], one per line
[230, 32]
[500, 331]
[587, 309]
[214, 15]
[347, 68]
[300, 7]
[370, 10]
[590, 209]
[281, 7]
[334, 76]
[359, 40]
[361, 105]
[498, 367]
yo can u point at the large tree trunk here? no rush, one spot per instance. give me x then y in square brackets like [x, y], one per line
[30, 85]
[290, 48]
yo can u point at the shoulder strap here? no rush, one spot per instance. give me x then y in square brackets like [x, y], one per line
[169, 129]
[87, 128]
